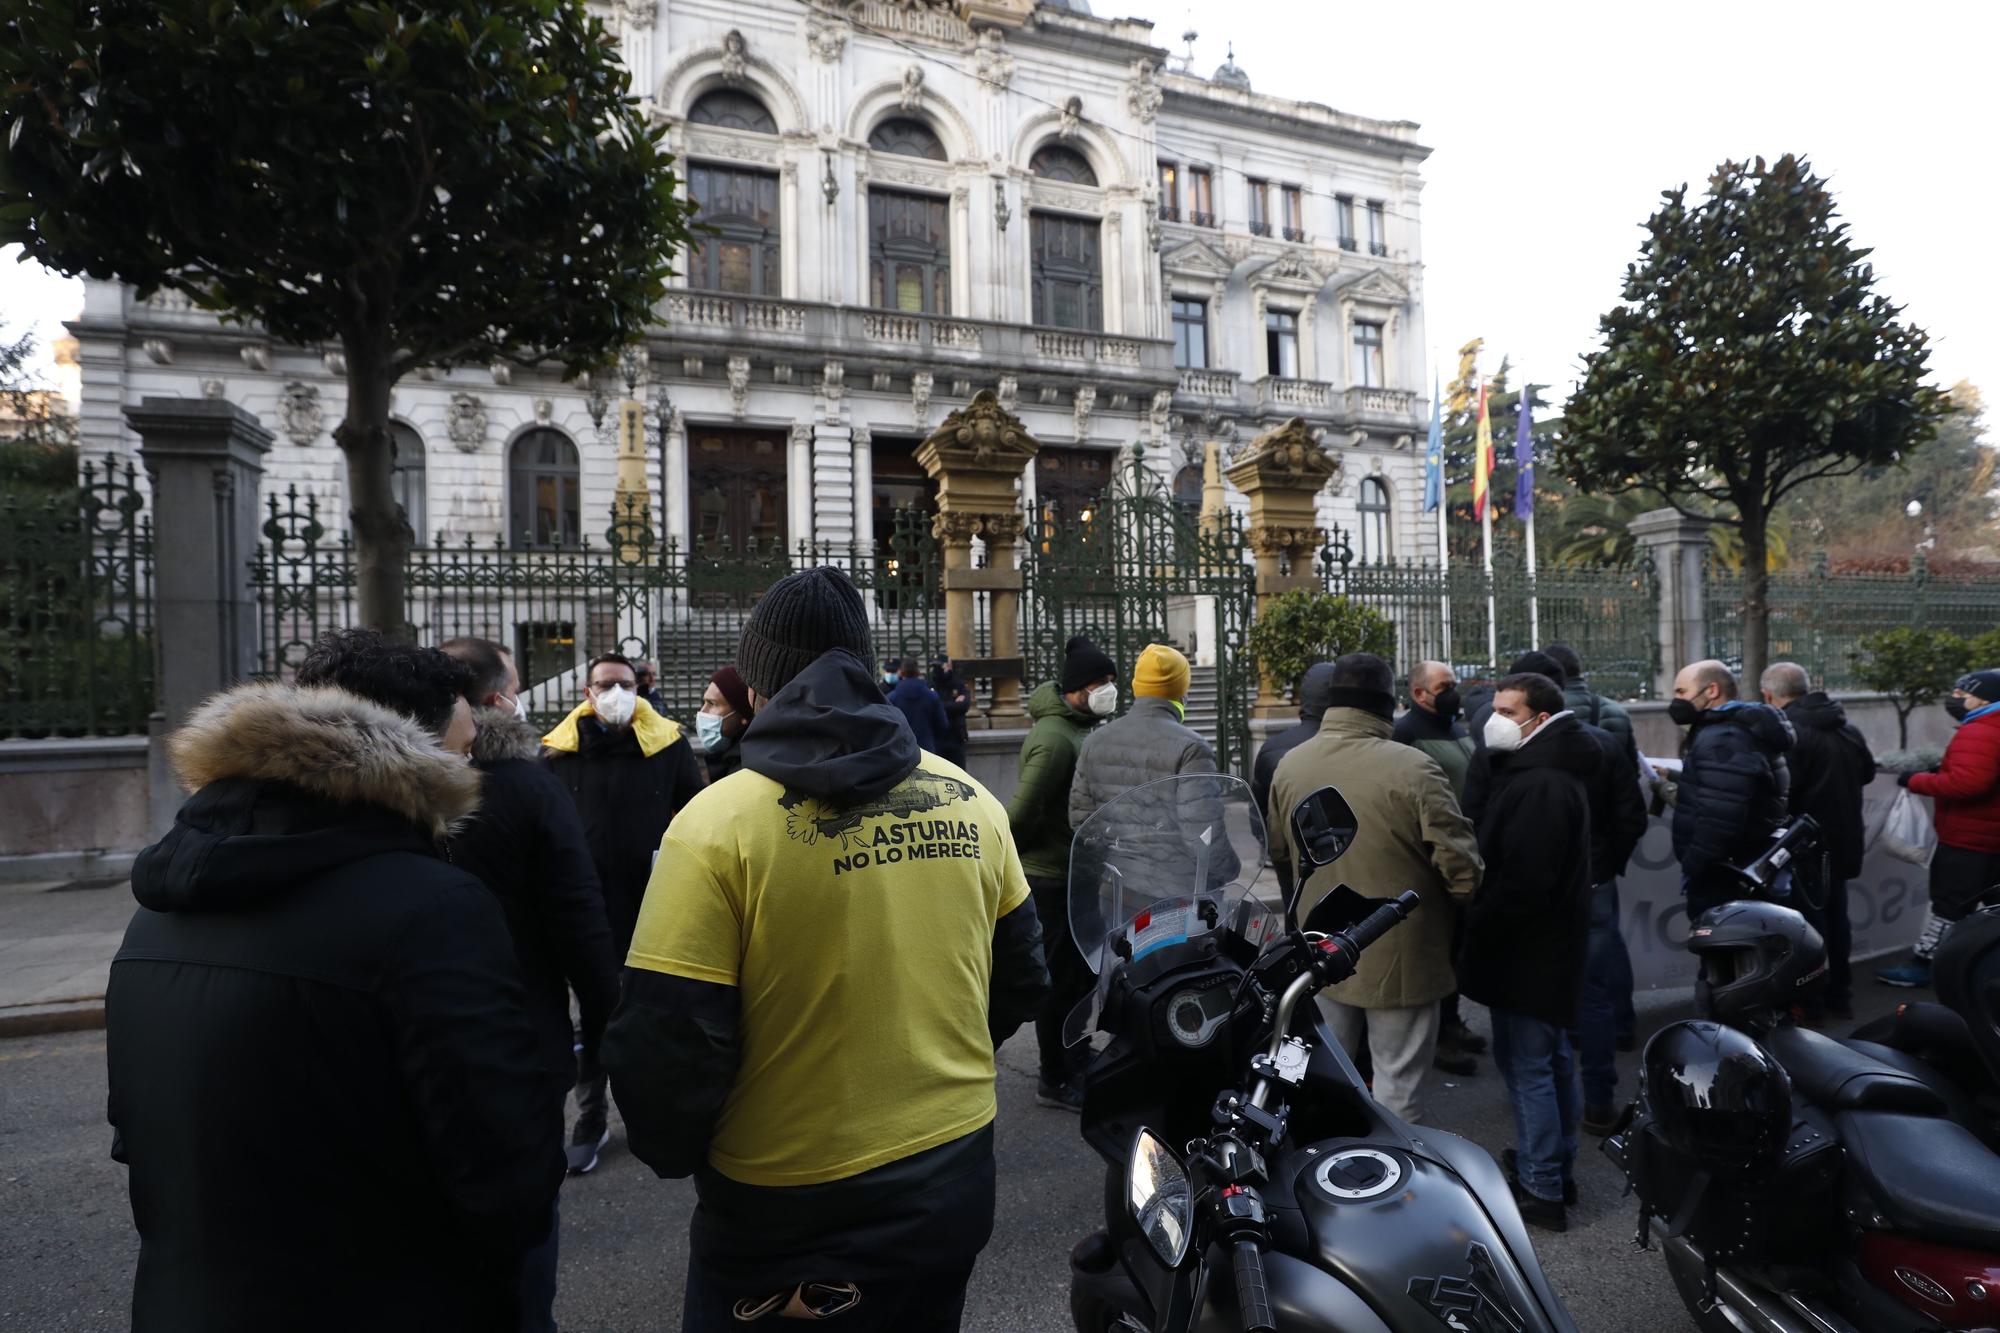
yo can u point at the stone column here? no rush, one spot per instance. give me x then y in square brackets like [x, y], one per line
[204, 458]
[976, 458]
[864, 487]
[1677, 545]
[1282, 472]
[799, 487]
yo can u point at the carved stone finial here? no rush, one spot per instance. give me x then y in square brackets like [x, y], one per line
[981, 435]
[1286, 455]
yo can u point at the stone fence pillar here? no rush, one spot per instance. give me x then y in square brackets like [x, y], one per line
[977, 457]
[1282, 472]
[1678, 546]
[204, 457]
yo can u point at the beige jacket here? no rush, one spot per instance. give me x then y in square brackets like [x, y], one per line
[1411, 835]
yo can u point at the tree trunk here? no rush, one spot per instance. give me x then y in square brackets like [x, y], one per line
[382, 536]
[1903, 726]
[1756, 600]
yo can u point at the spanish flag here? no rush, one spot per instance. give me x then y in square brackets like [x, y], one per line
[1482, 463]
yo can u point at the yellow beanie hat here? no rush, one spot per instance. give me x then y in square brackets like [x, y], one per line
[1162, 673]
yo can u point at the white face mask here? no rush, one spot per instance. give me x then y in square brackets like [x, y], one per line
[708, 729]
[1503, 732]
[615, 706]
[1104, 699]
[520, 709]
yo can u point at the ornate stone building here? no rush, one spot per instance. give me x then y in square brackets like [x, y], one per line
[911, 200]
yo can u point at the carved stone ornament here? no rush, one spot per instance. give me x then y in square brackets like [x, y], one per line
[1142, 93]
[1291, 452]
[1072, 119]
[957, 527]
[465, 422]
[1271, 540]
[990, 60]
[833, 381]
[912, 96]
[826, 38]
[1086, 402]
[1004, 529]
[211, 388]
[545, 411]
[502, 373]
[920, 398]
[335, 363]
[739, 384]
[299, 412]
[735, 57]
[1163, 403]
[256, 356]
[637, 13]
[1010, 392]
[983, 434]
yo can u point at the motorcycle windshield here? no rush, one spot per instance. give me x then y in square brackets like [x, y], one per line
[1166, 862]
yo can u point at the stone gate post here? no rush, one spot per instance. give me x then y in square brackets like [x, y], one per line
[976, 457]
[1282, 472]
[1678, 546]
[204, 458]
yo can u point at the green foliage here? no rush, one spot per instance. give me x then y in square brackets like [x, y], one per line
[1982, 652]
[426, 184]
[37, 440]
[1913, 666]
[1301, 627]
[1750, 357]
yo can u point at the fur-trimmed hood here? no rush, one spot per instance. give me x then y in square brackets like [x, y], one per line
[502, 736]
[330, 744]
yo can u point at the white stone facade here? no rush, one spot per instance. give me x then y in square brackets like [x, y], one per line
[784, 399]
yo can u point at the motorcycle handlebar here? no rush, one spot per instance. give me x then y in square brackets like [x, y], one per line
[1378, 923]
[1253, 1297]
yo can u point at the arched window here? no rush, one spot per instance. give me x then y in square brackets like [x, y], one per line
[406, 479]
[544, 495]
[909, 252]
[1054, 162]
[907, 138]
[1374, 509]
[1187, 488]
[732, 111]
[740, 250]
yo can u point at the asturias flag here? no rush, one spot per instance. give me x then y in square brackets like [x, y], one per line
[1434, 455]
[1482, 458]
[1524, 459]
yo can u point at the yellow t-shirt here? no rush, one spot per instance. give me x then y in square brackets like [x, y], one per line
[861, 941]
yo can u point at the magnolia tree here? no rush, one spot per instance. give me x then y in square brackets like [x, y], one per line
[1751, 357]
[458, 181]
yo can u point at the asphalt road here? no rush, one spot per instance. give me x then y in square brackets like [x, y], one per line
[67, 1247]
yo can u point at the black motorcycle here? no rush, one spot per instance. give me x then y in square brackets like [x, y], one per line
[1798, 1184]
[1241, 1142]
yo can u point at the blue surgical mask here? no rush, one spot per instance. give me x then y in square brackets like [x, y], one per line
[708, 729]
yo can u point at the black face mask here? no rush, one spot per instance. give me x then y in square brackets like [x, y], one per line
[1957, 707]
[1445, 701]
[1683, 712]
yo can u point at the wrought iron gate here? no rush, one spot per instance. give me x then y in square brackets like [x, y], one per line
[1133, 568]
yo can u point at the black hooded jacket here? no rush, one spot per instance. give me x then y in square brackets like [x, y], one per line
[673, 1047]
[1830, 765]
[322, 1076]
[1314, 693]
[1527, 927]
[527, 845]
[1733, 790]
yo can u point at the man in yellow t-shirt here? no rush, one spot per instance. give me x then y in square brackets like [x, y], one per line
[834, 940]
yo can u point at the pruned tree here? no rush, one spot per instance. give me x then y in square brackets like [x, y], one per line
[435, 184]
[1751, 356]
[1914, 667]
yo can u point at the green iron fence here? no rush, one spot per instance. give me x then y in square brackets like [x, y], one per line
[1818, 618]
[76, 608]
[556, 608]
[1608, 613]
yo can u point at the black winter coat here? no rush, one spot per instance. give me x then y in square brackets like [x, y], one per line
[1830, 764]
[526, 843]
[1733, 788]
[322, 1076]
[1617, 807]
[627, 798]
[1315, 693]
[1527, 928]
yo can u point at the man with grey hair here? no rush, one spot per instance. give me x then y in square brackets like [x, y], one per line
[1734, 781]
[1830, 765]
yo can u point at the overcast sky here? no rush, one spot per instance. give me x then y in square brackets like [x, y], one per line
[1556, 125]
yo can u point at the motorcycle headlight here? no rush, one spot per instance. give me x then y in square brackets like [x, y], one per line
[1162, 1201]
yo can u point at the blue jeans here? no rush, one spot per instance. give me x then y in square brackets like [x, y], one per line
[1607, 988]
[1534, 1059]
[538, 1280]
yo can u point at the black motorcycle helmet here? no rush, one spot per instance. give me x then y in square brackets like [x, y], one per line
[1756, 960]
[1715, 1095]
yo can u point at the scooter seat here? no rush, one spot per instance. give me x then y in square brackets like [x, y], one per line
[1927, 1176]
[1838, 1078]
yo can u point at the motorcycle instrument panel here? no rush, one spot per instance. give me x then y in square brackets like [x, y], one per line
[1196, 1012]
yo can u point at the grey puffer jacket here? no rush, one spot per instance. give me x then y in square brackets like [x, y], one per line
[1149, 743]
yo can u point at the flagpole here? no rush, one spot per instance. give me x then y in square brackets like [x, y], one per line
[1534, 593]
[1486, 543]
[1443, 513]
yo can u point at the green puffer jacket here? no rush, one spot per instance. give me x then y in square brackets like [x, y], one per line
[1039, 808]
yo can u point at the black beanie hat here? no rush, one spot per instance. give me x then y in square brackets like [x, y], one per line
[798, 618]
[1084, 663]
[1541, 664]
[1981, 684]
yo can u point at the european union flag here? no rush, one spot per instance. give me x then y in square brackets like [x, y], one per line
[1434, 454]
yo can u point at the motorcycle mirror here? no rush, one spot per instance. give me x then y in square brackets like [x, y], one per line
[1322, 828]
[1339, 910]
[1160, 1197]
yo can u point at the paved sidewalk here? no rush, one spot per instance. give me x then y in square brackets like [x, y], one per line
[56, 943]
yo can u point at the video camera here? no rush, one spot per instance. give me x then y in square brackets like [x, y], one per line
[1788, 843]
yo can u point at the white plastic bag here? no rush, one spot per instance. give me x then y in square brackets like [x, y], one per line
[1908, 833]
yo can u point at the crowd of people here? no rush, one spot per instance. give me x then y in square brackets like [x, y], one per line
[396, 924]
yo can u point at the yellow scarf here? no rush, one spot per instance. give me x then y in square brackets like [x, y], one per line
[655, 733]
